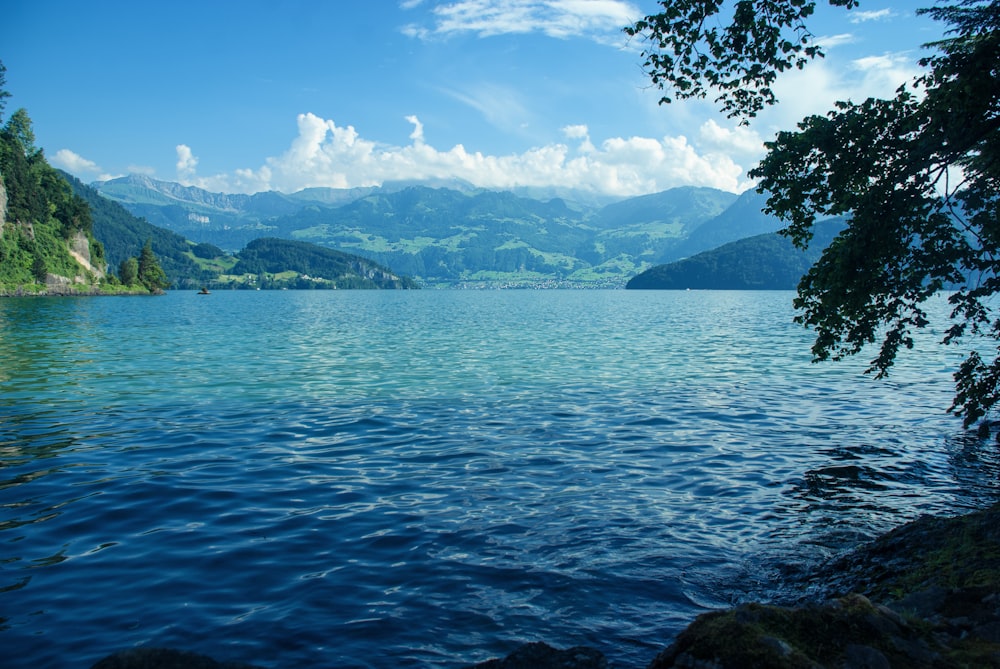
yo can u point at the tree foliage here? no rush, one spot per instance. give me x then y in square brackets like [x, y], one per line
[123, 236]
[689, 52]
[128, 272]
[43, 213]
[335, 268]
[917, 175]
[149, 273]
[4, 93]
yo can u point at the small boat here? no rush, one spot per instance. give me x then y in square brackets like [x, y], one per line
[204, 291]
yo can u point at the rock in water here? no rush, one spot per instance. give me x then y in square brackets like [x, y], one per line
[164, 658]
[542, 656]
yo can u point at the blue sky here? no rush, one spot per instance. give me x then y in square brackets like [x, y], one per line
[286, 94]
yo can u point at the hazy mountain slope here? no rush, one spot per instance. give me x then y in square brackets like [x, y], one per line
[743, 218]
[445, 236]
[682, 209]
[139, 189]
[762, 262]
[644, 229]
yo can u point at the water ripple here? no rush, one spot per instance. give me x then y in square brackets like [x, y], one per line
[428, 480]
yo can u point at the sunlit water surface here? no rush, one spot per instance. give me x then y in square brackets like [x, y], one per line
[382, 479]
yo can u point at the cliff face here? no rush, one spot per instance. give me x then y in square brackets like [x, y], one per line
[79, 248]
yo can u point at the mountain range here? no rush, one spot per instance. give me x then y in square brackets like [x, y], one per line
[263, 263]
[451, 233]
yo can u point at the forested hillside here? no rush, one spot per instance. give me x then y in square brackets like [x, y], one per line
[123, 236]
[454, 234]
[277, 263]
[48, 244]
[763, 262]
[59, 236]
[46, 238]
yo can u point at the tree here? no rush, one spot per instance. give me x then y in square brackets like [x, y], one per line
[19, 129]
[128, 271]
[690, 55]
[39, 270]
[4, 94]
[918, 176]
[150, 274]
[21, 165]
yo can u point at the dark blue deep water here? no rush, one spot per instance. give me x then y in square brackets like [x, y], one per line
[383, 479]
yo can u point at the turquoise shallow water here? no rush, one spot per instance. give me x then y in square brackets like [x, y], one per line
[376, 479]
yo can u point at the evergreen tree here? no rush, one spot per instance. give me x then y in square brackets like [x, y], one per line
[149, 272]
[4, 94]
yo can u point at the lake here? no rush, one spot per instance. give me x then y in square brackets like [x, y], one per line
[430, 478]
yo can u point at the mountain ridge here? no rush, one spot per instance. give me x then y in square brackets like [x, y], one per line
[452, 234]
[266, 264]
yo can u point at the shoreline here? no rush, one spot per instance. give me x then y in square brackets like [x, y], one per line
[69, 291]
[926, 594]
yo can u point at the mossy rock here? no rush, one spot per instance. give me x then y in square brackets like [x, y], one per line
[953, 553]
[848, 632]
[931, 599]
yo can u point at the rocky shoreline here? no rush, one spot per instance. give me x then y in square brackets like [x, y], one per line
[926, 595]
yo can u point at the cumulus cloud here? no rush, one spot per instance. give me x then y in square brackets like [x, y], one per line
[324, 154]
[822, 83]
[600, 20]
[79, 166]
[418, 129]
[741, 142]
[75, 163]
[186, 162]
[580, 132]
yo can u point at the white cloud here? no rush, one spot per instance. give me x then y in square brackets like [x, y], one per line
[882, 75]
[500, 105]
[418, 130]
[833, 41]
[326, 155]
[186, 162]
[75, 163]
[815, 89]
[580, 132]
[80, 167]
[600, 20]
[739, 141]
[874, 15]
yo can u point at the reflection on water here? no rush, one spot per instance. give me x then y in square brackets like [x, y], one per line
[383, 480]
